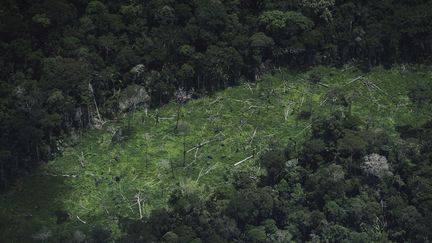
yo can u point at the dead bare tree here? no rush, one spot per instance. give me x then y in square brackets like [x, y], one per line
[132, 97]
[182, 96]
[376, 165]
[99, 121]
[182, 130]
[147, 138]
[139, 199]
[166, 164]
[244, 160]
[81, 159]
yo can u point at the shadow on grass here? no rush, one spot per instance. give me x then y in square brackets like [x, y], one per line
[32, 207]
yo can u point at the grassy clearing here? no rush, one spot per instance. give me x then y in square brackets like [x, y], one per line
[231, 126]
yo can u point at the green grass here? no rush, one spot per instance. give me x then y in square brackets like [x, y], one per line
[235, 124]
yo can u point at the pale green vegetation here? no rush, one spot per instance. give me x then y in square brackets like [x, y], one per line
[97, 180]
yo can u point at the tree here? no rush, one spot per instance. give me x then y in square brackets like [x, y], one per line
[420, 94]
[104, 21]
[251, 206]
[256, 234]
[255, 6]
[42, 19]
[182, 129]
[147, 145]
[274, 163]
[351, 145]
[222, 65]
[131, 98]
[262, 45]
[186, 73]
[181, 96]
[376, 165]
[126, 59]
[286, 23]
[273, 21]
[5, 156]
[320, 7]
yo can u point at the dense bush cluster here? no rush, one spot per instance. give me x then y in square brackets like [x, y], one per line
[66, 63]
[347, 184]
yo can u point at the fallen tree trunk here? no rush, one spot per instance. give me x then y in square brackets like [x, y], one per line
[198, 146]
[244, 160]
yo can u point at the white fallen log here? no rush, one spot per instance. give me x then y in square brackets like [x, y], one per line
[216, 100]
[82, 159]
[249, 87]
[243, 160]
[82, 221]
[139, 199]
[198, 146]
[325, 85]
[64, 175]
[253, 136]
[353, 80]
[199, 175]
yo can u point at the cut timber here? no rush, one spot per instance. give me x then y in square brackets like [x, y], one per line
[253, 136]
[82, 221]
[249, 87]
[196, 154]
[306, 127]
[64, 175]
[94, 101]
[288, 111]
[69, 176]
[201, 174]
[82, 159]
[199, 145]
[216, 100]
[139, 199]
[323, 102]
[347, 68]
[242, 101]
[195, 159]
[244, 160]
[325, 85]
[353, 80]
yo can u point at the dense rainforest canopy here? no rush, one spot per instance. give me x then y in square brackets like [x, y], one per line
[70, 65]
[65, 64]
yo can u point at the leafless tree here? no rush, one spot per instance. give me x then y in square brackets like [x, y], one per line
[376, 165]
[139, 199]
[98, 121]
[182, 129]
[182, 96]
[147, 138]
[132, 97]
